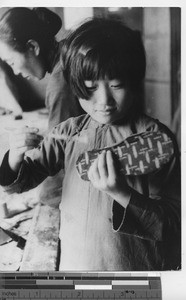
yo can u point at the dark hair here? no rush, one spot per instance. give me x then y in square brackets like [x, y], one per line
[103, 47]
[20, 24]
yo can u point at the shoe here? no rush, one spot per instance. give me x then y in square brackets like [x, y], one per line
[139, 154]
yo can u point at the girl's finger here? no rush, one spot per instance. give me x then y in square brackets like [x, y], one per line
[110, 165]
[94, 172]
[102, 165]
[22, 150]
[25, 142]
[19, 138]
[26, 129]
[25, 136]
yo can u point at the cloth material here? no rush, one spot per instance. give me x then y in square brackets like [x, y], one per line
[96, 232]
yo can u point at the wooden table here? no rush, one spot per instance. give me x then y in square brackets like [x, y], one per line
[41, 249]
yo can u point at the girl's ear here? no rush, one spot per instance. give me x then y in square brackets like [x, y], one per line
[32, 45]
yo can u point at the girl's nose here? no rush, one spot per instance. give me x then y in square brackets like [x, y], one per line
[105, 96]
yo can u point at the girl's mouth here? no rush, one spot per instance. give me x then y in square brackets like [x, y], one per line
[107, 111]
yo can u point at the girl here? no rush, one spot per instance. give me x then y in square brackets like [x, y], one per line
[111, 222]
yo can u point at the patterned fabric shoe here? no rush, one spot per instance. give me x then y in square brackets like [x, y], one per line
[138, 154]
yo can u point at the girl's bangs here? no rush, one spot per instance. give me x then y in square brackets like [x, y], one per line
[97, 66]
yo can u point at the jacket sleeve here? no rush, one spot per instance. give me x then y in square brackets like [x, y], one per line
[44, 161]
[154, 214]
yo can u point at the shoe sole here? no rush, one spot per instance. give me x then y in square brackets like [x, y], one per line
[139, 154]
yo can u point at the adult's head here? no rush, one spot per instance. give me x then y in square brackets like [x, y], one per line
[27, 37]
[102, 48]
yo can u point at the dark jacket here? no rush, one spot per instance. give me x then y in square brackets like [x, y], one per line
[96, 232]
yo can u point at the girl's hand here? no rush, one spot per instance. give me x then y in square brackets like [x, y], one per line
[20, 141]
[105, 177]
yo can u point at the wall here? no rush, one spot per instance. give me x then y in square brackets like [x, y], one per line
[156, 33]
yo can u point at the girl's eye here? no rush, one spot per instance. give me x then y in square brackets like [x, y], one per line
[91, 88]
[90, 85]
[117, 86]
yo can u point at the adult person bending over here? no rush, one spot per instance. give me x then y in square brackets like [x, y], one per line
[28, 45]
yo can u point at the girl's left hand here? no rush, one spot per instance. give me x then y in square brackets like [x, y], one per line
[105, 177]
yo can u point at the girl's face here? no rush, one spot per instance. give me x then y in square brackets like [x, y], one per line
[27, 64]
[109, 101]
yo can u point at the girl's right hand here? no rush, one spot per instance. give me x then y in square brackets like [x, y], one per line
[20, 141]
[105, 176]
